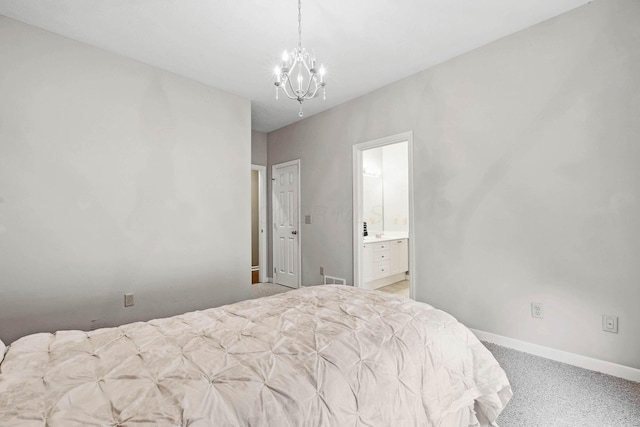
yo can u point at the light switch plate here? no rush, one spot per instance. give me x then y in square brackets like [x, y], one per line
[128, 300]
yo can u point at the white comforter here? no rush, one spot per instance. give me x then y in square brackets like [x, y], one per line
[320, 356]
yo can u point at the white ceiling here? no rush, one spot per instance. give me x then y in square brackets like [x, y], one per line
[234, 44]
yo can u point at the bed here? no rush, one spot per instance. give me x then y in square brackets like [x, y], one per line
[316, 356]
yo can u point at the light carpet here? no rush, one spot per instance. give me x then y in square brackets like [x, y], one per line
[547, 393]
[259, 290]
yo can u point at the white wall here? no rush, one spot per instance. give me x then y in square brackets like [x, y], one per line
[115, 177]
[527, 185]
[255, 218]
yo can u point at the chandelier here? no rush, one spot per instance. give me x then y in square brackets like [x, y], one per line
[298, 76]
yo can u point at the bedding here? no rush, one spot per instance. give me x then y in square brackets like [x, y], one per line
[316, 356]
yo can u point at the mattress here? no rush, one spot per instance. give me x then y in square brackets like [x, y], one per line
[317, 356]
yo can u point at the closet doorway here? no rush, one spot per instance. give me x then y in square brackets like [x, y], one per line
[383, 237]
[258, 224]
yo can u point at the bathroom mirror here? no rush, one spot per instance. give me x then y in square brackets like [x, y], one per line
[385, 186]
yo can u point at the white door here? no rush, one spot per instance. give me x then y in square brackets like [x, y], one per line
[286, 237]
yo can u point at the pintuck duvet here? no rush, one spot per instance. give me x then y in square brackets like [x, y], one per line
[318, 356]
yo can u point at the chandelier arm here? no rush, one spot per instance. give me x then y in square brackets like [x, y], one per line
[307, 67]
[289, 96]
[283, 83]
[315, 91]
[286, 92]
[292, 90]
[312, 76]
[306, 92]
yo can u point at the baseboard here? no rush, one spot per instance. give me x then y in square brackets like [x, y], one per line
[269, 279]
[620, 371]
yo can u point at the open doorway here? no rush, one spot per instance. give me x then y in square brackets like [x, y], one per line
[258, 224]
[383, 214]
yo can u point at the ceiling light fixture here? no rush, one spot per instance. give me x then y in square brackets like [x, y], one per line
[302, 66]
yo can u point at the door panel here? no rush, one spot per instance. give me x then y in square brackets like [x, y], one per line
[286, 218]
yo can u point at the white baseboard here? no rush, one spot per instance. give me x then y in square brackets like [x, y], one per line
[620, 371]
[269, 279]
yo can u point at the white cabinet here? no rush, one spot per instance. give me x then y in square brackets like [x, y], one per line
[382, 260]
[367, 263]
[399, 256]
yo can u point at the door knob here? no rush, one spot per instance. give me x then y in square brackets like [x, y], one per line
[294, 232]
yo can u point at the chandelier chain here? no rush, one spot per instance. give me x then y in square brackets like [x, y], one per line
[299, 24]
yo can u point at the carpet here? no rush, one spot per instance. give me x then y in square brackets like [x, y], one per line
[547, 393]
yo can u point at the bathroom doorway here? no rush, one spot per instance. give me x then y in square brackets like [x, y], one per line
[258, 224]
[383, 215]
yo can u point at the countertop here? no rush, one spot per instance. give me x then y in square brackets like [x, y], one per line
[395, 235]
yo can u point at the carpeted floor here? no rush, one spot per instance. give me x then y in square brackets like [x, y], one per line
[553, 394]
[266, 289]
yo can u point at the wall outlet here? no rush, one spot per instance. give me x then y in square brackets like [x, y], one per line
[610, 323]
[128, 300]
[537, 310]
[307, 219]
[322, 271]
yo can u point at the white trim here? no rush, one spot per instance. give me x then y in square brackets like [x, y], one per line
[273, 241]
[262, 219]
[621, 371]
[357, 204]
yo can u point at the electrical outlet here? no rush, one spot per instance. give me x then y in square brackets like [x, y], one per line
[307, 219]
[128, 300]
[537, 310]
[610, 323]
[322, 271]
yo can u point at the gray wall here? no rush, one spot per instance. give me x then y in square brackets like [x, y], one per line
[258, 148]
[527, 180]
[115, 177]
[255, 218]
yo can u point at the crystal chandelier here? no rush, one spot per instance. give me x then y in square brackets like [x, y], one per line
[298, 76]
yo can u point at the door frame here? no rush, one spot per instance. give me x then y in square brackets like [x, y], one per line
[262, 220]
[358, 209]
[273, 219]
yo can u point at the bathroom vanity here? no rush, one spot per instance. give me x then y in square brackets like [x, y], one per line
[385, 260]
